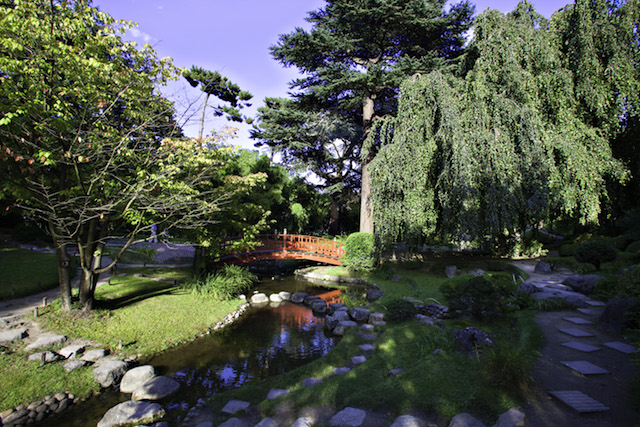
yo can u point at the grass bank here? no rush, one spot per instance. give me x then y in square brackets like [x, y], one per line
[144, 308]
[441, 384]
[26, 272]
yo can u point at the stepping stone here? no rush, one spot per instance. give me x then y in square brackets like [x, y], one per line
[585, 368]
[575, 332]
[594, 303]
[310, 382]
[341, 371]
[275, 393]
[348, 417]
[580, 346]
[578, 320]
[234, 406]
[589, 311]
[620, 346]
[367, 347]
[357, 360]
[579, 401]
[369, 337]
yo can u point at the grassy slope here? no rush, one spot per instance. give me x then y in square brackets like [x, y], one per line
[148, 315]
[441, 384]
[27, 272]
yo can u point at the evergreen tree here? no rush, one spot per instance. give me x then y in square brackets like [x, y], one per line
[358, 52]
[212, 83]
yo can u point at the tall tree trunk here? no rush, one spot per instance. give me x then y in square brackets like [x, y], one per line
[366, 204]
[64, 276]
[334, 218]
[204, 107]
[88, 250]
[198, 260]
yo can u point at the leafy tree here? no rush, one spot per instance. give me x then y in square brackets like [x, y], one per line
[357, 53]
[309, 140]
[212, 83]
[506, 145]
[82, 131]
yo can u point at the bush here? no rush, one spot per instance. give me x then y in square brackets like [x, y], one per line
[481, 296]
[508, 368]
[595, 252]
[225, 284]
[626, 285]
[634, 247]
[399, 310]
[567, 249]
[360, 252]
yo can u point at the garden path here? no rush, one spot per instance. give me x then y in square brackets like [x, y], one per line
[612, 389]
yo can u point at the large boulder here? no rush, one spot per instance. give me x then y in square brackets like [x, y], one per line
[374, 294]
[46, 341]
[514, 417]
[134, 378]
[259, 298]
[450, 271]
[360, 314]
[470, 338]
[615, 316]
[310, 299]
[319, 306]
[407, 421]
[583, 283]
[132, 413]
[542, 268]
[109, 373]
[156, 388]
[299, 297]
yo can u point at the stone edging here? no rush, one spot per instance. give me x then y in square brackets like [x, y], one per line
[311, 273]
[38, 410]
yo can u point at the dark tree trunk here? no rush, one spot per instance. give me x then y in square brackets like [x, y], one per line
[64, 269]
[334, 219]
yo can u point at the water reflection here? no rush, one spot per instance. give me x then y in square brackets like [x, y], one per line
[266, 341]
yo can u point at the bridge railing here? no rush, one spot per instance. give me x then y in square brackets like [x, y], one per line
[288, 242]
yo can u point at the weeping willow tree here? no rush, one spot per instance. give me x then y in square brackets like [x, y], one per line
[512, 140]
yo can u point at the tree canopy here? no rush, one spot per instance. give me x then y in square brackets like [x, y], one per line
[89, 148]
[521, 135]
[357, 53]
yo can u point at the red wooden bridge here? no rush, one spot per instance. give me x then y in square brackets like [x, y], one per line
[285, 246]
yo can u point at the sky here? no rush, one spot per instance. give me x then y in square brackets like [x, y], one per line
[233, 37]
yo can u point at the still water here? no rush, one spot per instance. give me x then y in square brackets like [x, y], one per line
[267, 340]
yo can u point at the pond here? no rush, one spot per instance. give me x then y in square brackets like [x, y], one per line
[267, 340]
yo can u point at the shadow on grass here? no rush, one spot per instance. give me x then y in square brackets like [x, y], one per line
[136, 296]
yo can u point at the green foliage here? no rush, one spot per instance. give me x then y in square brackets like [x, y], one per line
[625, 285]
[552, 304]
[633, 247]
[223, 285]
[595, 252]
[508, 367]
[399, 310]
[510, 141]
[360, 252]
[481, 296]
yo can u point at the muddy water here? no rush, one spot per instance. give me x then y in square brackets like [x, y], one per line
[267, 340]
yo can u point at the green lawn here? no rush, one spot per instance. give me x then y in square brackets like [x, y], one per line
[25, 272]
[147, 315]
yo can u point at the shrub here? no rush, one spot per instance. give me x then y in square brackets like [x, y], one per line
[595, 252]
[360, 252]
[626, 285]
[225, 284]
[481, 296]
[400, 309]
[507, 368]
[567, 249]
[385, 271]
[634, 247]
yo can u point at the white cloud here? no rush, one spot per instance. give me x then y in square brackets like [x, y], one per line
[141, 35]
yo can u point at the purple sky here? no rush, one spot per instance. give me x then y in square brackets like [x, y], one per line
[233, 37]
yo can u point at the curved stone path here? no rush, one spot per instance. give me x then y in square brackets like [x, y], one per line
[582, 381]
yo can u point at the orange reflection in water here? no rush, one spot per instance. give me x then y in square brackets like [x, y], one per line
[299, 315]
